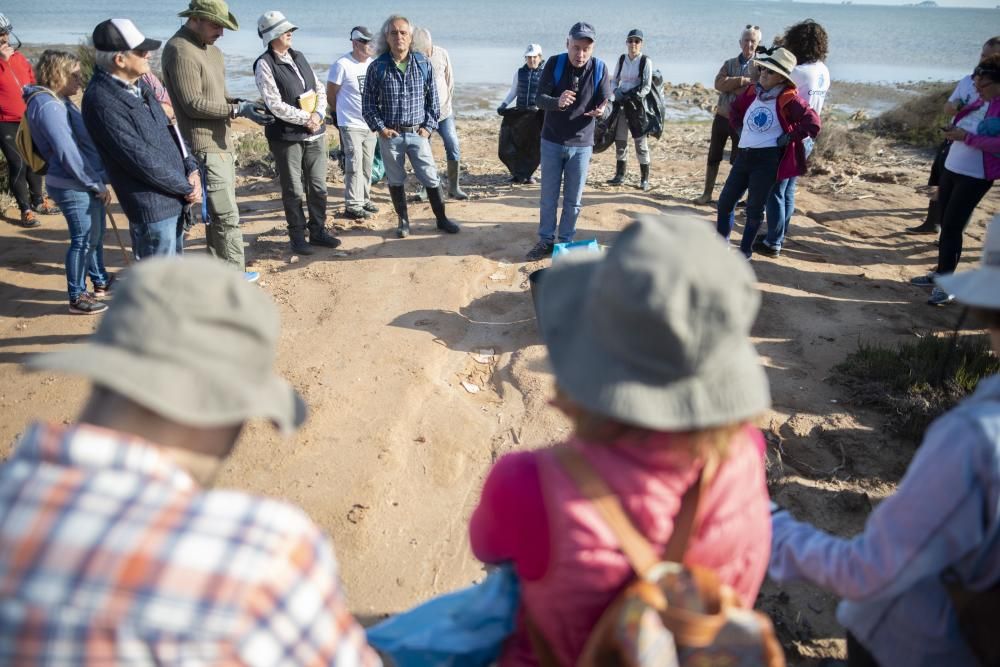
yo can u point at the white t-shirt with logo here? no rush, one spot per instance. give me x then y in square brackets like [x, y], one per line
[813, 83]
[962, 158]
[965, 92]
[349, 74]
[761, 127]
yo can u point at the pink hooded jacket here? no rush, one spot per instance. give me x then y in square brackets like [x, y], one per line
[989, 145]
[568, 560]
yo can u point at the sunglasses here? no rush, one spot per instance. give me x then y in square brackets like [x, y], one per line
[633, 41]
[752, 27]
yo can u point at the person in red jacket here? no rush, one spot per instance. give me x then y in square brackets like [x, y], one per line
[15, 73]
[772, 120]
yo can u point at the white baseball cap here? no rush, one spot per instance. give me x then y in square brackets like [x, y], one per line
[533, 50]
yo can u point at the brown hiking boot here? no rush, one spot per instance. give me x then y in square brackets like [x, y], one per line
[29, 219]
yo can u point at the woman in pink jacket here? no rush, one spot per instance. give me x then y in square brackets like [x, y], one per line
[973, 163]
[655, 369]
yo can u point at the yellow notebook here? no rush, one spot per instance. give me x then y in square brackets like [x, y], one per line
[308, 100]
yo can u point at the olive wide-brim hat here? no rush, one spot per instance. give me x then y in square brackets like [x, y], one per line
[190, 340]
[656, 333]
[216, 11]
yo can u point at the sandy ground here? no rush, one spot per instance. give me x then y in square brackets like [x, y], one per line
[381, 335]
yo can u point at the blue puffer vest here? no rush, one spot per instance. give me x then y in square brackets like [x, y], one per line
[527, 85]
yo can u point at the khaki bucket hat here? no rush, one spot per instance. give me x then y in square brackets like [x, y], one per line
[980, 287]
[216, 11]
[190, 340]
[657, 332]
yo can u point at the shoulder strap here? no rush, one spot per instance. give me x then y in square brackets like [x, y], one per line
[642, 67]
[618, 73]
[637, 549]
[557, 71]
[598, 73]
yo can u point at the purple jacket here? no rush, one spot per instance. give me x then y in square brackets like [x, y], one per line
[990, 146]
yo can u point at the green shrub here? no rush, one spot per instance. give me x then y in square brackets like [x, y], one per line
[916, 121]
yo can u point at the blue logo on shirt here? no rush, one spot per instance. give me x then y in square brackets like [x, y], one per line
[761, 120]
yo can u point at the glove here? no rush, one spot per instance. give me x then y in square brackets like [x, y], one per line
[784, 140]
[501, 109]
[255, 111]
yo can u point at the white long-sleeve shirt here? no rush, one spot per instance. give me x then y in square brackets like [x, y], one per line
[268, 88]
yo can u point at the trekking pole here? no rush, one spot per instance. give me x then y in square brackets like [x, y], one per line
[118, 236]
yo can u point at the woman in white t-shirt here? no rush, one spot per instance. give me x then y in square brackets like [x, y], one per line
[963, 95]
[808, 42]
[973, 163]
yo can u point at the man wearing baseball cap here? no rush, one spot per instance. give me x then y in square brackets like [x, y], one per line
[120, 553]
[345, 84]
[153, 176]
[574, 90]
[195, 76]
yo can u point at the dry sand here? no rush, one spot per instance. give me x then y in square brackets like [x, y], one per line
[380, 336]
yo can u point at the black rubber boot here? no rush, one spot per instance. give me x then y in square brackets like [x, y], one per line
[711, 173]
[299, 245]
[619, 174]
[398, 194]
[644, 178]
[932, 225]
[437, 205]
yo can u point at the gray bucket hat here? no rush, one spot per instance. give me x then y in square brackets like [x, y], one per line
[657, 332]
[190, 340]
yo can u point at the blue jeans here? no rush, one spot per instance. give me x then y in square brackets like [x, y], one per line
[84, 214]
[449, 135]
[559, 163]
[164, 237]
[780, 206]
[755, 169]
[394, 152]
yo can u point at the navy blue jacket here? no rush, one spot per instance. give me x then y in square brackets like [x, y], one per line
[143, 161]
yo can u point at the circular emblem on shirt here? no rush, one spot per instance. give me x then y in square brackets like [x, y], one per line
[761, 120]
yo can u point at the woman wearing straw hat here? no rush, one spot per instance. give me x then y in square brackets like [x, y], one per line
[772, 121]
[931, 543]
[75, 177]
[655, 370]
[973, 163]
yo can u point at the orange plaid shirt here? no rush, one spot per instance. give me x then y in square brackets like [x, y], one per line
[111, 554]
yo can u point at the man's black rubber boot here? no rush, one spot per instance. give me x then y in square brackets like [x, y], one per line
[619, 174]
[398, 194]
[644, 177]
[437, 205]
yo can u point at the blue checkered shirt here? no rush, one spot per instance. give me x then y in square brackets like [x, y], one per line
[400, 99]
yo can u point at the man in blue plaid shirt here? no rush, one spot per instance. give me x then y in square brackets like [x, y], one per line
[400, 103]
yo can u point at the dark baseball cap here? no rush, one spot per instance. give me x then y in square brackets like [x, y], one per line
[583, 30]
[634, 32]
[361, 34]
[121, 35]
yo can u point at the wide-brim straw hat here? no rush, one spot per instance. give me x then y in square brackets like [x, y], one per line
[216, 11]
[656, 333]
[780, 60]
[979, 287]
[190, 340]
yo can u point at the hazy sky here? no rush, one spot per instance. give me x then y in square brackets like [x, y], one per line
[942, 3]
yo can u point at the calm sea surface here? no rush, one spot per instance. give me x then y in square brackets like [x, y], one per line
[687, 39]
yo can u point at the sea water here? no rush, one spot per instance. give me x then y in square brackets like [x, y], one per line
[687, 39]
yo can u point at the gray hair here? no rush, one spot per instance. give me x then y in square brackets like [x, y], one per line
[422, 42]
[753, 31]
[106, 59]
[381, 45]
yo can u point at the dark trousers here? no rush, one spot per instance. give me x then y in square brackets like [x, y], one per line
[25, 184]
[755, 170]
[858, 655]
[958, 197]
[717, 144]
[938, 165]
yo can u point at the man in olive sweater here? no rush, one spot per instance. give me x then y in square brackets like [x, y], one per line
[195, 77]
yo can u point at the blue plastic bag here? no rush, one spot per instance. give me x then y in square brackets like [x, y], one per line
[467, 627]
[574, 246]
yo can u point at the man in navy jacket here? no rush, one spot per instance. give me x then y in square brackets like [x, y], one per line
[150, 168]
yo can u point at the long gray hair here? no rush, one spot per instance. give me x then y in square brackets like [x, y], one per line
[381, 45]
[422, 41]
